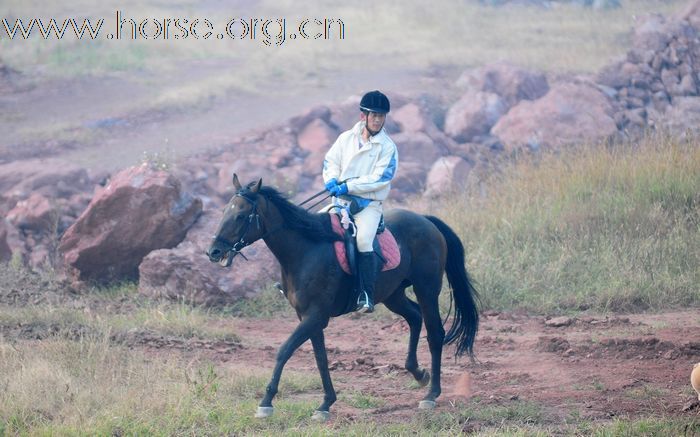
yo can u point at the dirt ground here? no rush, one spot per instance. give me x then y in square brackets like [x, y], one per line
[586, 367]
[601, 367]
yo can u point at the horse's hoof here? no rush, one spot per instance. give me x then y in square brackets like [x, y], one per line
[321, 416]
[425, 380]
[264, 412]
[426, 405]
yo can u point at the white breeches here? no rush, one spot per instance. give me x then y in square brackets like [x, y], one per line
[367, 221]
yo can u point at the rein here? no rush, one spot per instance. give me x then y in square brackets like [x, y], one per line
[313, 197]
[321, 192]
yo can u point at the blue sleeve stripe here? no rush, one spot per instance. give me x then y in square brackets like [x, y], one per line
[325, 164]
[389, 170]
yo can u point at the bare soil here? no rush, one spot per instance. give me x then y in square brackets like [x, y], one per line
[586, 367]
[599, 367]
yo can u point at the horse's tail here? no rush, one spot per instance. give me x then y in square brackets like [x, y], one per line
[466, 320]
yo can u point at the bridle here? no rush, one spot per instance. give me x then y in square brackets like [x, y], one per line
[235, 248]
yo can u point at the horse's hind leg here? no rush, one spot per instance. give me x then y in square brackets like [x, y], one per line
[409, 310]
[319, 344]
[428, 301]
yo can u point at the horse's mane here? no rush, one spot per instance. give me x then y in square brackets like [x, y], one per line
[313, 226]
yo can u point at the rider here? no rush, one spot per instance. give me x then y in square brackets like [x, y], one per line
[357, 171]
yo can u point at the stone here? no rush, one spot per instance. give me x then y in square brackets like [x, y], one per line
[508, 81]
[473, 114]
[447, 174]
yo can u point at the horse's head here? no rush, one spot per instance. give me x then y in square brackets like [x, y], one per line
[240, 226]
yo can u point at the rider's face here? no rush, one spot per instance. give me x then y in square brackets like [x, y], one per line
[374, 120]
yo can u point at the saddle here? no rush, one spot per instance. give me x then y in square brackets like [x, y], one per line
[384, 244]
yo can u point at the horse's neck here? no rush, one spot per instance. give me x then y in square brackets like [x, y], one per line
[287, 245]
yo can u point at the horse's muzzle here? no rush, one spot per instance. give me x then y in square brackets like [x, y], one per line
[216, 255]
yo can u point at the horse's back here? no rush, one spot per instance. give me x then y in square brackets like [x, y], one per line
[415, 231]
[403, 218]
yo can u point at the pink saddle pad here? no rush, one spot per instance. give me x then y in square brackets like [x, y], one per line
[390, 249]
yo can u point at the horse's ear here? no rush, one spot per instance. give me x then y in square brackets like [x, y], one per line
[236, 183]
[257, 186]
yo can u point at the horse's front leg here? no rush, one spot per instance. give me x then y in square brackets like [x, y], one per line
[308, 327]
[318, 341]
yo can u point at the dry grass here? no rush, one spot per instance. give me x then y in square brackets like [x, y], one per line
[605, 228]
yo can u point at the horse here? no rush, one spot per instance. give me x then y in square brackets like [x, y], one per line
[317, 288]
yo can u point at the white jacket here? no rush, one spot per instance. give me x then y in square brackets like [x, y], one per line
[368, 169]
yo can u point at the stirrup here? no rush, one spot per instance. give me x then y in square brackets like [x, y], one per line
[364, 306]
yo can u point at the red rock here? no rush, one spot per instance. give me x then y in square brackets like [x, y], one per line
[139, 211]
[511, 83]
[447, 173]
[473, 114]
[568, 114]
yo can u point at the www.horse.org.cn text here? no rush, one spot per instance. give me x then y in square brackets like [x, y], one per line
[268, 31]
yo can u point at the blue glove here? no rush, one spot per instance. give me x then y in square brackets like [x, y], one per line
[339, 190]
[330, 184]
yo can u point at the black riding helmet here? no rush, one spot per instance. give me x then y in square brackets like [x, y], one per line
[374, 101]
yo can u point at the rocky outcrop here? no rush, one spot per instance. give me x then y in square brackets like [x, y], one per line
[658, 73]
[567, 114]
[139, 211]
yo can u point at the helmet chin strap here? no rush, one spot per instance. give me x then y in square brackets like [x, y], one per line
[370, 131]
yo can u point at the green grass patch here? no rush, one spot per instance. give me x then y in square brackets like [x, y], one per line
[362, 400]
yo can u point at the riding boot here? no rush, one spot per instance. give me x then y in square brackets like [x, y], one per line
[367, 265]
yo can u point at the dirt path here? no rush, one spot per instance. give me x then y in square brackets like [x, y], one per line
[595, 368]
[107, 123]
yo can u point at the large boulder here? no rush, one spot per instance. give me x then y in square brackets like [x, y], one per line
[409, 180]
[317, 136]
[510, 82]
[570, 113]
[473, 114]
[417, 147]
[447, 174]
[185, 272]
[139, 211]
[315, 139]
[416, 123]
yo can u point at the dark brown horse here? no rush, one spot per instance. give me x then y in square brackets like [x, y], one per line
[318, 289]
